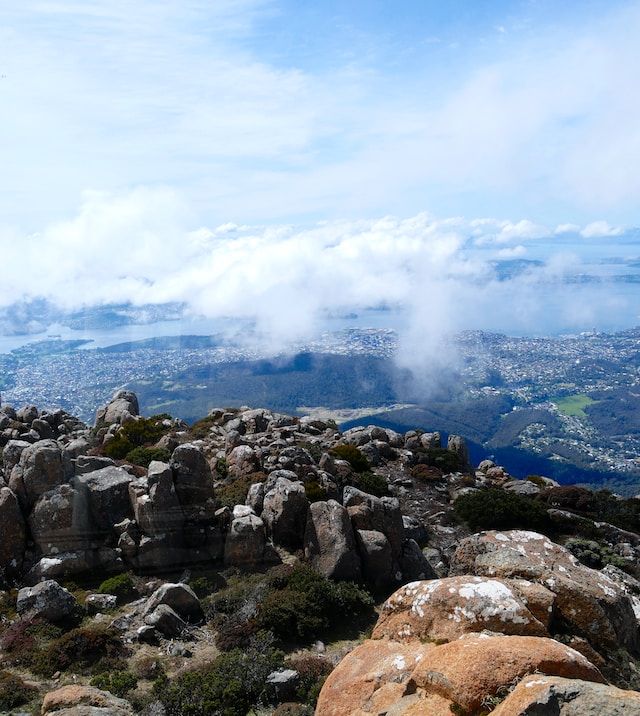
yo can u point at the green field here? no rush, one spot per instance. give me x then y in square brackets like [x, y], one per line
[573, 405]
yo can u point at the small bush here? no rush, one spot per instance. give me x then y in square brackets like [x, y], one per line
[372, 484]
[313, 672]
[426, 473]
[353, 456]
[314, 491]
[231, 685]
[147, 667]
[308, 603]
[202, 586]
[78, 650]
[594, 554]
[235, 493]
[24, 638]
[137, 433]
[445, 460]
[501, 510]
[143, 456]
[118, 683]
[538, 480]
[121, 586]
[14, 691]
[201, 428]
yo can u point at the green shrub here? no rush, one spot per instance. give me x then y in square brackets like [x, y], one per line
[119, 683]
[501, 510]
[121, 586]
[353, 456]
[303, 603]
[594, 554]
[78, 650]
[538, 480]
[230, 685]
[143, 456]
[372, 484]
[14, 691]
[445, 460]
[137, 433]
[314, 491]
[202, 586]
[235, 493]
[426, 473]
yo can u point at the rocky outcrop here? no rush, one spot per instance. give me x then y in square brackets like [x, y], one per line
[589, 601]
[193, 481]
[284, 512]
[122, 407]
[12, 532]
[329, 542]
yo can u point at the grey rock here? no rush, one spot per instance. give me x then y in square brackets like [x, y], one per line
[193, 481]
[180, 597]
[245, 542]
[12, 532]
[95, 603]
[166, 621]
[46, 600]
[377, 557]
[329, 542]
[40, 469]
[284, 513]
[414, 564]
[105, 496]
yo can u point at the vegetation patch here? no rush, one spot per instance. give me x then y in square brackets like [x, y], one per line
[353, 456]
[235, 493]
[120, 586]
[118, 683]
[230, 685]
[594, 554]
[143, 456]
[143, 432]
[14, 691]
[501, 510]
[573, 405]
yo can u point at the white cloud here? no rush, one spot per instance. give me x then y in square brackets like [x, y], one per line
[143, 246]
[600, 228]
[567, 229]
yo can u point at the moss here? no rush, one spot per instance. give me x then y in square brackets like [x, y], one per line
[120, 585]
[594, 554]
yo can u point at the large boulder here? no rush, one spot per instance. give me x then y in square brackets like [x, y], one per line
[77, 700]
[46, 600]
[57, 522]
[123, 405]
[445, 609]
[329, 542]
[104, 498]
[245, 542]
[193, 481]
[413, 564]
[587, 600]
[471, 669]
[377, 557]
[155, 502]
[40, 469]
[12, 532]
[103, 560]
[382, 676]
[567, 697]
[11, 455]
[166, 620]
[381, 514]
[180, 597]
[371, 678]
[242, 460]
[284, 512]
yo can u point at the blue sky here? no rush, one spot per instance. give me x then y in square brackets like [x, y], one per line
[169, 150]
[279, 111]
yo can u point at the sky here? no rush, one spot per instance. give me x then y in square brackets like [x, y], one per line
[282, 158]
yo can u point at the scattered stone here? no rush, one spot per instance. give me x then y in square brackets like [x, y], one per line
[46, 600]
